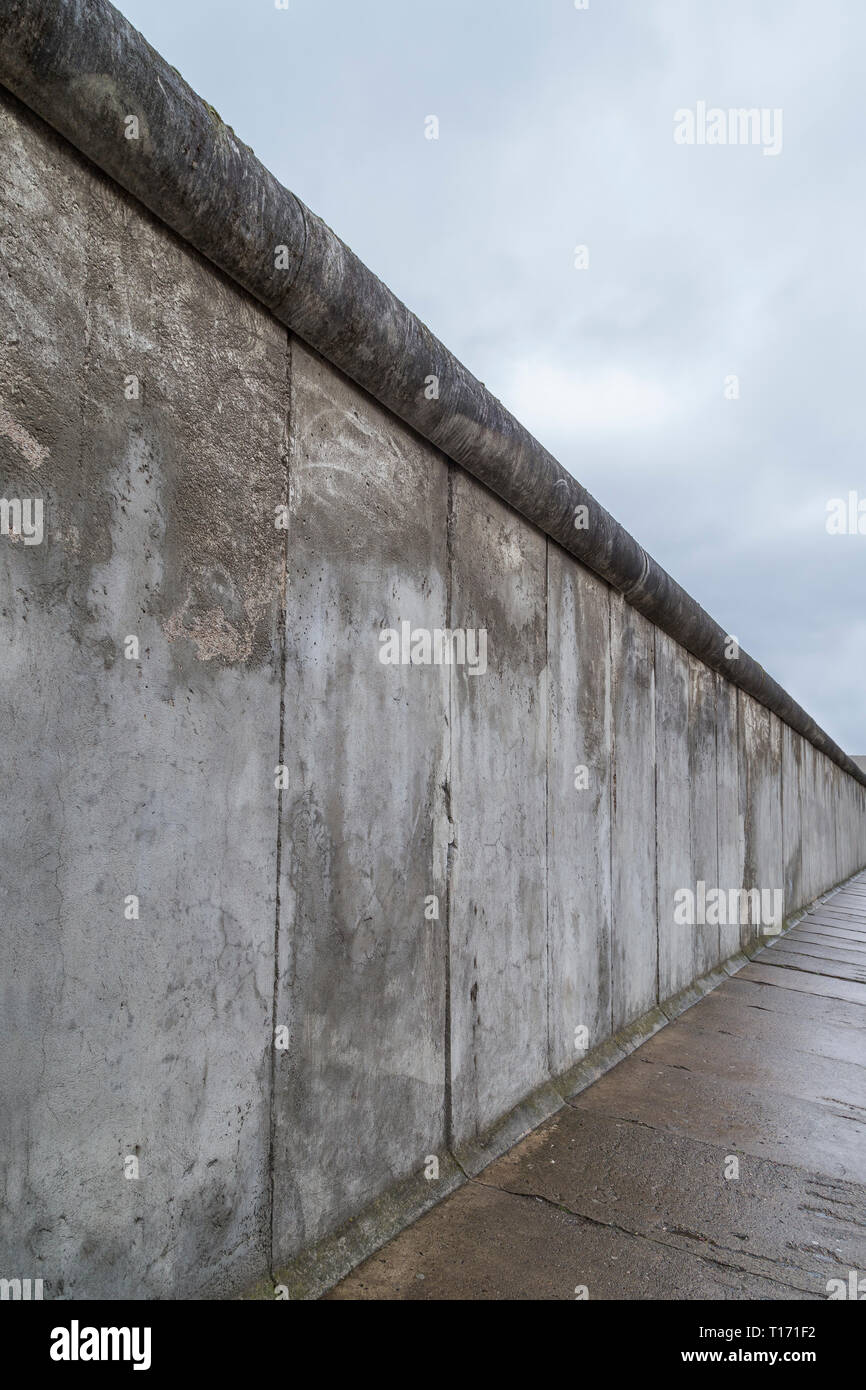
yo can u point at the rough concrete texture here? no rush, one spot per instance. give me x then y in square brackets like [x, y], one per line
[630, 1192]
[131, 1038]
[402, 944]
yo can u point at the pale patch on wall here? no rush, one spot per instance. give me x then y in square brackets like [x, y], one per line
[33, 453]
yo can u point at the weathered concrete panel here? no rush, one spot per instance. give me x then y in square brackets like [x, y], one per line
[760, 803]
[812, 857]
[578, 808]
[499, 752]
[730, 822]
[134, 1040]
[673, 801]
[850, 805]
[792, 827]
[360, 1086]
[846, 825]
[634, 951]
[824, 827]
[704, 806]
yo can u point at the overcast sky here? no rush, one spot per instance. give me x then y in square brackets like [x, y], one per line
[556, 130]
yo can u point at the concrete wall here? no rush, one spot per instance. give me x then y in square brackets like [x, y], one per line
[461, 882]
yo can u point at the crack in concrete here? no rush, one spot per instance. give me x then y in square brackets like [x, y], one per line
[663, 1244]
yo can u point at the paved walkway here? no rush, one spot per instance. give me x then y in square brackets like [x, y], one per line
[624, 1190]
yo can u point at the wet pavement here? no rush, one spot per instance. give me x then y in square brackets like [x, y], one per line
[724, 1158]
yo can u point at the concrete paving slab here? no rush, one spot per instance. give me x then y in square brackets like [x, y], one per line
[849, 920]
[848, 950]
[808, 983]
[833, 968]
[771, 1220]
[821, 927]
[772, 999]
[491, 1245]
[760, 1026]
[809, 949]
[839, 904]
[749, 1118]
[742, 1061]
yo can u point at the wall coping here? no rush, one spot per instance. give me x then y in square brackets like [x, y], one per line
[82, 67]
